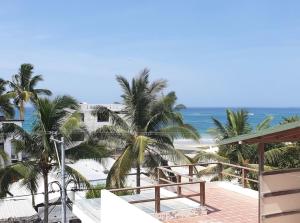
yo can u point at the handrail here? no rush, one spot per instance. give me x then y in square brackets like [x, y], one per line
[211, 163]
[238, 166]
[153, 186]
[158, 198]
[243, 177]
[281, 171]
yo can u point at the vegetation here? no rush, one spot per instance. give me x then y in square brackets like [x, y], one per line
[143, 134]
[95, 191]
[59, 117]
[277, 155]
[244, 155]
[23, 86]
[146, 130]
[6, 108]
[237, 124]
[287, 155]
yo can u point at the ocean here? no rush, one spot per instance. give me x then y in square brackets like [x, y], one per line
[200, 118]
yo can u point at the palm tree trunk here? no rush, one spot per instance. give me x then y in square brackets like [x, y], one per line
[21, 110]
[46, 197]
[32, 199]
[138, 178]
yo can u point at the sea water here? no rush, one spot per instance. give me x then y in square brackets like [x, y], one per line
[201, 118]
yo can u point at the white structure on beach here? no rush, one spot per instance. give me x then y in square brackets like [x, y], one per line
[93, 122]
[6, 143]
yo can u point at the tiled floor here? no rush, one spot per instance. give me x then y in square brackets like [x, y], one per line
[225, 207]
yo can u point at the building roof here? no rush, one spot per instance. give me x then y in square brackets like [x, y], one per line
[282, 133]
[16, 209]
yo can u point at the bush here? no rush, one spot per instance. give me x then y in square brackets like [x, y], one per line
[95, 192]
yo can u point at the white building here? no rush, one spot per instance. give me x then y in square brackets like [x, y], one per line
[6, 143]
[93, 122]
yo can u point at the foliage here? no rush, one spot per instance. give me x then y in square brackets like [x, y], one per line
[23, 87]
[95, 191]
[58, 117]
[6, 108]
[277, 155]
[237, 124]
[146, 129]
[244, 155]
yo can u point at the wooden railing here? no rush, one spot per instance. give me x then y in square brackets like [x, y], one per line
[166, 177]
[157, 193]
[241, 173]
[244, 171]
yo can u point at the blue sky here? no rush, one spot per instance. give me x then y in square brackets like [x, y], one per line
[213, 53]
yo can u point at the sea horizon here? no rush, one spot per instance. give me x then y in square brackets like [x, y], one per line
[201, 117]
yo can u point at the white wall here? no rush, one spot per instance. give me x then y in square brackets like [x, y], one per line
[90, 120]
[7, 142]
[115, 210]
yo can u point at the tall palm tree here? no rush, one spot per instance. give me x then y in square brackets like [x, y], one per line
[6, 108]
[285, 155]
[237, 124]
[60, 117]
[23, 85]
[290, 119]
[244, 155]
[146, 129]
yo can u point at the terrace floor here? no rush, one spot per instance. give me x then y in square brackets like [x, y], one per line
[225, 205]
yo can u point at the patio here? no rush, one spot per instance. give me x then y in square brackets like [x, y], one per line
[226, 204]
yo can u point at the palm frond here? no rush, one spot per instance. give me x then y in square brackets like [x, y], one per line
[203, 156]
[184, 131]
[264, 124]
[115, 119]
[117, 174]
[87, 150]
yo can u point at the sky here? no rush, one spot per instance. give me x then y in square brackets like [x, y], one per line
[213, 53]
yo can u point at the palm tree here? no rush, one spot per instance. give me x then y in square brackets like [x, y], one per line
[237, 124]
[244, 155]
[290, 119]
[285, 155]
[60, 117]
[6, 108]
[23, 86]
[146, 129]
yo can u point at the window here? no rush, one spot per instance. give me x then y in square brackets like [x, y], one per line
[82, 117]
[77, 136]
[14, 155]
[103, 117]
[74, 221]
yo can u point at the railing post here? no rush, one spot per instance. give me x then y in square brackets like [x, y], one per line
[191, 172]
[178, 186]
[157, 199]
[158, 175]
[243, 177]
[220, 171]
[246, 181]
[202, 193]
